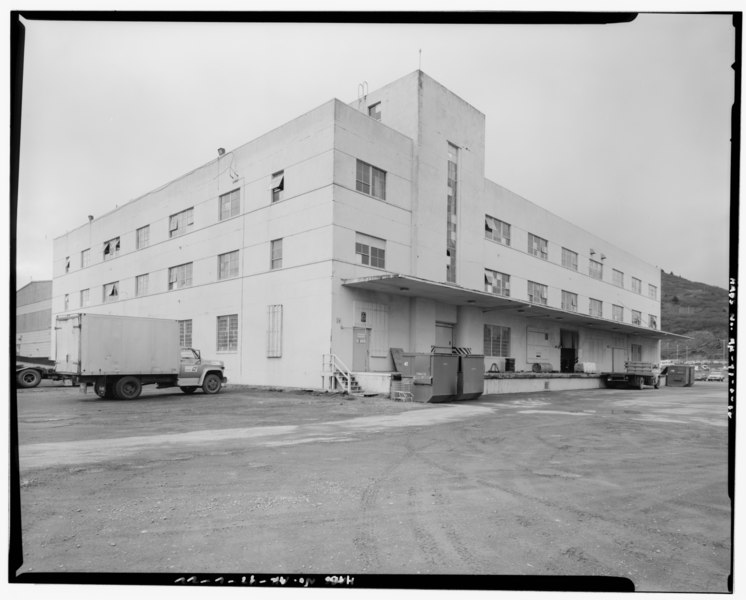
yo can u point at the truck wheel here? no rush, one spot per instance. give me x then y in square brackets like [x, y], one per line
[640, 383]
[127, 388]
[28, 378]
[657, 383]
[188, 389]
[211, 384]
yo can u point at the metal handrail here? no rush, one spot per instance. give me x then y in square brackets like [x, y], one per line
[332, 364]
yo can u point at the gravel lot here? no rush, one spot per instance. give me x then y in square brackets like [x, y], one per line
[621, 483]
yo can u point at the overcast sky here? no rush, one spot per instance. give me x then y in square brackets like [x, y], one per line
[622, 129]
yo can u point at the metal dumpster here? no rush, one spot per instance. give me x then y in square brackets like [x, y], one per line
[435, 376]
[680, 375]
[470, 382]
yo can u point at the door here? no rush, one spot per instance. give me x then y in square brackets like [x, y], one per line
[618, 358]
[568, 350]
[360, 349]
[636, 353]
[443, 336]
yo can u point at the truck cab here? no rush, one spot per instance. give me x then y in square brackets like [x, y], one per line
[195, 372]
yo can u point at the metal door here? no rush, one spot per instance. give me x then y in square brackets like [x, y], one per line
[360, 349]
[444, 335]
[618, 358]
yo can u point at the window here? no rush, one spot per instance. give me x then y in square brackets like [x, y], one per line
[275, 260]
[85, 297]
[143, 237]
[595, 269]
[85, 258]
[67, 264]
[228, 265]
[496, 340]
[569, 259]
[374, 110]
[451, 212]
[569, 301]
[537, 293]
[111, 292]
[278, 186]
[537, 246]
[111, 248]
[67, 301]
[141, 285]
[636, 285]
[496, 283]
[617, 278]
[274, 331]
[370, 251]
[185, 333]
[595, 308]
[230, 205]
[181, 223]
[228, 333]
[370, 180]
[617, 312]
[180, 276]
[497, 230]
[652, 322]
[636, 317]
[652, 291]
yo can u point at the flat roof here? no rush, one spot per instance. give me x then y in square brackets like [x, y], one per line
[449, 293]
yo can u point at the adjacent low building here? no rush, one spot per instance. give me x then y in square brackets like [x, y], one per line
[357, 228]
[33, 319]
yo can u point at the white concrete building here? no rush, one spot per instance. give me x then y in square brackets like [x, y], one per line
[33, 317]
[354, 229]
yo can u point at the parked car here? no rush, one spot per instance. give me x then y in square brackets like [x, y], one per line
[716, 376]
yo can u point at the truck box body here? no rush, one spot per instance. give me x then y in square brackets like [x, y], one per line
[94, 344]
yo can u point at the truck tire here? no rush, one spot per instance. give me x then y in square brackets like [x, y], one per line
[188, 389]
[211, 384]
[127, 387]
[28, 378]
[640, 383]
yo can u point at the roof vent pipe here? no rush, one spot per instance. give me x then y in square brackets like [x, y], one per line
[221, 151]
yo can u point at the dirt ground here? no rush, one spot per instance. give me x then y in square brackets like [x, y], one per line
[622, 483]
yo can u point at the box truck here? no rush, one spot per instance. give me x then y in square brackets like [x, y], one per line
[118, 355]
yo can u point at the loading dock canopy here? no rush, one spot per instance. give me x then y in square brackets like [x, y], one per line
[448, 293]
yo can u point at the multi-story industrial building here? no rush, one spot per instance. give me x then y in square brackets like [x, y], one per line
[33, 318]
[357, 228]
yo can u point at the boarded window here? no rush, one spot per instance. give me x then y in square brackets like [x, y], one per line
[652, 291]
[181, 223]
[617, 312]
[496, 283]
[185, 333]
[274, 331]
[85, 297]
[636, 317]
[537, 246]
[497, 230]
[496, 340]
[537, 293]
[227, 333]
[636, 285]
[617, 278]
